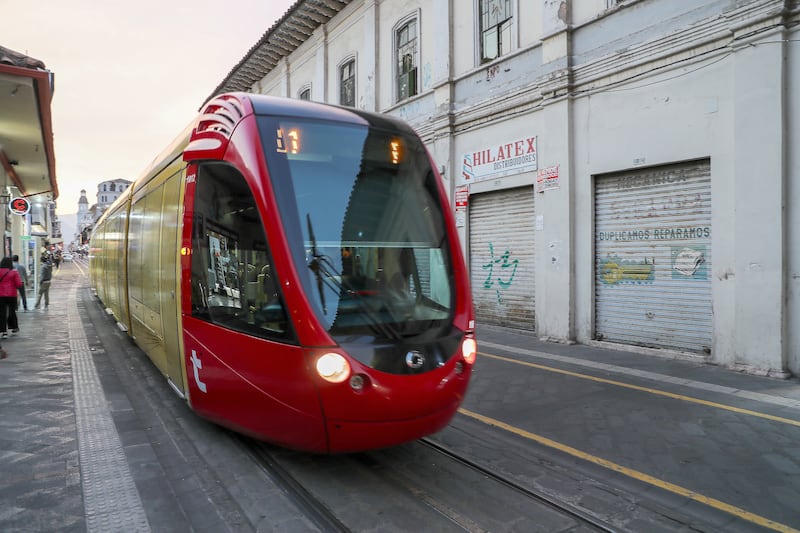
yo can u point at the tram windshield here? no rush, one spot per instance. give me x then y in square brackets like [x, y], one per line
[361, 210]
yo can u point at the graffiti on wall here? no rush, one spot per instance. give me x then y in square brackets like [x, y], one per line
[502, 270]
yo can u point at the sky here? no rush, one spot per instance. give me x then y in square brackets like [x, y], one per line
[129, 75]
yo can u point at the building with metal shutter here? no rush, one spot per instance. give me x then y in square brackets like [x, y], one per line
[622, 171]
[653, 257]
[501, 255]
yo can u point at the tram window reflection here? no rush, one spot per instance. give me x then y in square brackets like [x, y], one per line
[233, 281]
[360, 206]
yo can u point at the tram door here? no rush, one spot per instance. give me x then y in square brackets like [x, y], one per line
[170, 244]
[153, 246]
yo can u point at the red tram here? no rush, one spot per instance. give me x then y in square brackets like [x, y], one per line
[292, 268]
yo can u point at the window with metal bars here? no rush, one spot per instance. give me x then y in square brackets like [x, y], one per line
[495, 28]
[347, 83]
[406, 39]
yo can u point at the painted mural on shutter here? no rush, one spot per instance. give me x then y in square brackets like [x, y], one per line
[653, 257]
[501, 227]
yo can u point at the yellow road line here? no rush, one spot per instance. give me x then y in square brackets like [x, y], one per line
[648, 390]
[635, 474]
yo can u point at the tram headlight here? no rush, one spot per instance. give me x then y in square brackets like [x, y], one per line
[469, 349]
[333, 367]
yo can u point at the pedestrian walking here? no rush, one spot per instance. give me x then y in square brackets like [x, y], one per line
[10, 282]
[44, 282]
[23, 274]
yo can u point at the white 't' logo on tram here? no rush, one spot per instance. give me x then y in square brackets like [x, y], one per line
[198, 364]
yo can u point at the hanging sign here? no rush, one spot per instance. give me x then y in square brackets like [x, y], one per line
[19, 206]
[462, 200]
[547, 178]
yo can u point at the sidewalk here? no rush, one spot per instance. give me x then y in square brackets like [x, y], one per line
[40, 486]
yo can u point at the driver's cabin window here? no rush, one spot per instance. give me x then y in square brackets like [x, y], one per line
[234, 284]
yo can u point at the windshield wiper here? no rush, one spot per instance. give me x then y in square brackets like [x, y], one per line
[327, 275]
[316, 263]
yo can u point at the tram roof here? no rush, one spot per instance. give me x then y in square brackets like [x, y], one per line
[277, 106]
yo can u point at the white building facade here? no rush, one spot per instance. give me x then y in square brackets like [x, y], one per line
[107, 192]
[621, 172]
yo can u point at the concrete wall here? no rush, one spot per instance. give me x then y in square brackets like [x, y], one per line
[791, 141]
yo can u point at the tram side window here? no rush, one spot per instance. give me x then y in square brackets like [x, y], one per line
[233, 281]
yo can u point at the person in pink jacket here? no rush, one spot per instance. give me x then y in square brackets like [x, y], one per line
[10, 282]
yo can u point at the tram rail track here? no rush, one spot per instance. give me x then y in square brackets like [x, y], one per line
[398, 478]
[532, 493]
[313, 508]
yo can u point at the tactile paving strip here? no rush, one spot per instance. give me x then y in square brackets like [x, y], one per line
[110, 497]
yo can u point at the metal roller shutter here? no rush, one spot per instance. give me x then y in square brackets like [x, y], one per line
[502, 227]
[653, 257]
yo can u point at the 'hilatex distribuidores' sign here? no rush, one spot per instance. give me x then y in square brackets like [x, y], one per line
[500, 160]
